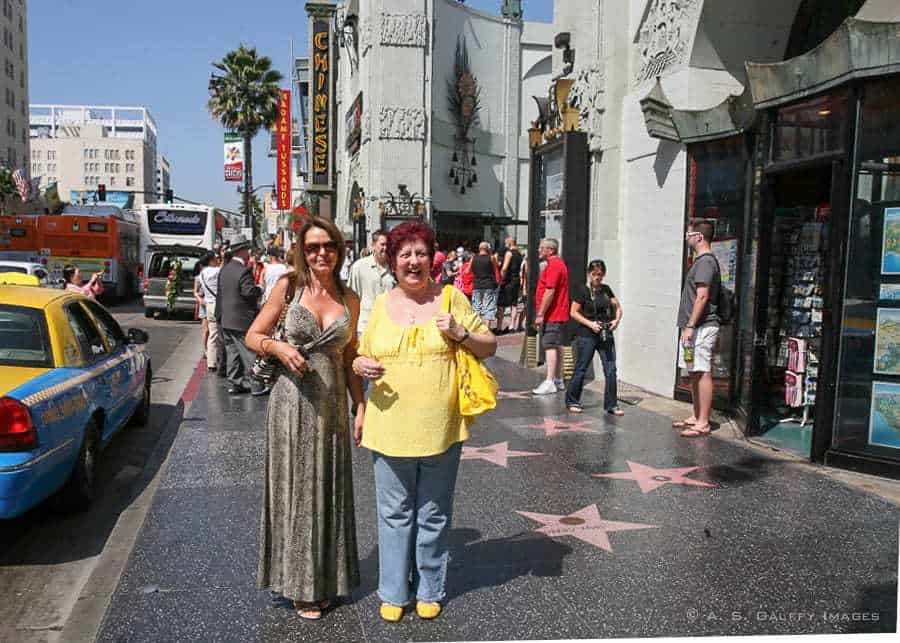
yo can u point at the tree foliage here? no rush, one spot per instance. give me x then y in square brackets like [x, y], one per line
[244, 96]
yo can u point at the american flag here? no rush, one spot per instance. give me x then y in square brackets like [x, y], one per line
[23, 185]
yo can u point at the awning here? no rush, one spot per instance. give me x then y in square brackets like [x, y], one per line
[857, 49]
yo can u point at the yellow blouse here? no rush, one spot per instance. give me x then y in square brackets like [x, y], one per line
[413, 411]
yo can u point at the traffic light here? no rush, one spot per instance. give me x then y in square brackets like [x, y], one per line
[101, 192]
[168, 197]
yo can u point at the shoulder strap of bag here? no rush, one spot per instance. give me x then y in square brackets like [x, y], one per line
[446, 298]
[205, 285]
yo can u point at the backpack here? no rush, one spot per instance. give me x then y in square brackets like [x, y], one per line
[725, 304]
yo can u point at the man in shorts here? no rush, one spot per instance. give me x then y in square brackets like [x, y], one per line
[552, 314]
[699, 326]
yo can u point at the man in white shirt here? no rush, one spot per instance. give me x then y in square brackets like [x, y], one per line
[209, 285]
[274, 270]
[370, 276]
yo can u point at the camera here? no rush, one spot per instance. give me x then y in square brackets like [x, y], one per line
[605, 332]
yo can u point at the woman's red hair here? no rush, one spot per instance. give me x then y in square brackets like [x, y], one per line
[409, 232]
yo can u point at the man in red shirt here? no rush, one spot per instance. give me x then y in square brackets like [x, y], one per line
[552, 313]
[437, 264]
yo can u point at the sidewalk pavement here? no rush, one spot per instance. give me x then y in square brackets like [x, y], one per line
[564, 527]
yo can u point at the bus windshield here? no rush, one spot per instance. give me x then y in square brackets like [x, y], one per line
[177, 222]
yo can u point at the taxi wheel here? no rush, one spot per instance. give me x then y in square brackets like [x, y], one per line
[142, 414]
[80, 489]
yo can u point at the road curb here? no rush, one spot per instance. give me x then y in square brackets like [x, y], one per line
[89, 612]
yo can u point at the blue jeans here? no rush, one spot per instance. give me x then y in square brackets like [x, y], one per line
[414, 498]
[484, 302]
[584, 349]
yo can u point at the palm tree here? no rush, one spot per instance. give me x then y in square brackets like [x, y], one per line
[244, 98]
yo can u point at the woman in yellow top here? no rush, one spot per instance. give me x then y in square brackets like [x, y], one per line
[412, 422]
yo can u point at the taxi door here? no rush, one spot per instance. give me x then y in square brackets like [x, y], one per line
[125, 366]
[96, 360]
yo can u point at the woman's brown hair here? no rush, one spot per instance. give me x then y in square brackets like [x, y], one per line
[301, 278]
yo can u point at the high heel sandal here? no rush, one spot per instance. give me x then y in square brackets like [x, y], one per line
[309, 611]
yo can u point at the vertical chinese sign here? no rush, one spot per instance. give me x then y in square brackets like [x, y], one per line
[284, 151]
[234, 157]
[320, 95]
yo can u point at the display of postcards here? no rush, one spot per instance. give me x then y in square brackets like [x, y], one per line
[813, 237]
[812, 368]
[817, 302]
[804, 289]
[887, 341]
[800, 317]
[809, 262]
[782, 354]
[810, 399]
[816, 316]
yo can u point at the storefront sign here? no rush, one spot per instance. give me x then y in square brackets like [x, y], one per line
[283, 156]
[234, 157]
[353, 121]
[320, 90]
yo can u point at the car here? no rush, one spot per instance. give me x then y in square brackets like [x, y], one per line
[26, 268]
[70, 380]
[159, 263]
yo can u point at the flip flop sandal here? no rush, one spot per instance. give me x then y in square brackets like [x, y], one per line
[575, 409]
[682, 424]
[308, 611]
[694, 433]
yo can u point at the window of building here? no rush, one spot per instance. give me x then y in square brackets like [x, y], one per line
[129, 181]
[112, 180]
[51, 155]
[36, 155]
[87, 167]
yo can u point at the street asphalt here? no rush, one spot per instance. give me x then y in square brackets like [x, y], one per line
[565, 527]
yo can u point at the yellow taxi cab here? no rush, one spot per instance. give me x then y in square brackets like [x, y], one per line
[18, 279]
[70, 379]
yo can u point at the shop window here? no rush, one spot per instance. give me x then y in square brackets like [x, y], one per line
[811, 128]
[867, 418]
[716, 188]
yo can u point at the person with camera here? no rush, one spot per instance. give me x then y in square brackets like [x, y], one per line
[598, 313]
[75, 282]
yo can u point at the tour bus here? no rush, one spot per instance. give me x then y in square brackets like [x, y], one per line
[182, 224]
[19, 238]
[96, 238]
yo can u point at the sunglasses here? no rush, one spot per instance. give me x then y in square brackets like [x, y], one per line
[315, 248]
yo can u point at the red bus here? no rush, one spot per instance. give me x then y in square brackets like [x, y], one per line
[19, 238]
[98, 238]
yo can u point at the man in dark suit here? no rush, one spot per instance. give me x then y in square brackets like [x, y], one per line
[236, 308]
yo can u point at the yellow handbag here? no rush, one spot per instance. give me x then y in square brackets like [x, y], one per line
[477, 386]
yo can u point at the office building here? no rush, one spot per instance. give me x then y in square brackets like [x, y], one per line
[14, 143]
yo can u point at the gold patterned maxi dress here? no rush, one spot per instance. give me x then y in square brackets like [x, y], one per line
[307, 531]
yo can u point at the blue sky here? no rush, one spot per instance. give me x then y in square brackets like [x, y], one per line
[159, 54]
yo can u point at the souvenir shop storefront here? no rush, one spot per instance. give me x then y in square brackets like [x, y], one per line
[802, 182]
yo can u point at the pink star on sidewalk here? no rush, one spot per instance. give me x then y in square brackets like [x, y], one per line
[649, 478]
[497, 453]
[585, 524]
[514, 395]
[551, 427]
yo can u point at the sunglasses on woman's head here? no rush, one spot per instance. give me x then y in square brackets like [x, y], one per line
[316, 248]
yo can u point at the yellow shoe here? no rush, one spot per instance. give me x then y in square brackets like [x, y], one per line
[428, 610]
[391, 613]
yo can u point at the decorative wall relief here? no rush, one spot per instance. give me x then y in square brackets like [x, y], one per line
[404, 30]
[366, 126]
[364, 33]
[464, 101]
[404, 123]
[587, 97]
[665, 36]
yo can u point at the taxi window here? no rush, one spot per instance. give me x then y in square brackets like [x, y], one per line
[86, 333]
[110, 330]
[24, 340]
[7, 268]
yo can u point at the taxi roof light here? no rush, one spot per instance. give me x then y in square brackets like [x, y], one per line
[17, 431]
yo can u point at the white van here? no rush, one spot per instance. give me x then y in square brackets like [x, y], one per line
[26, 268]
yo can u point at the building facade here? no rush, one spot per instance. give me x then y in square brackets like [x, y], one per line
[80, 147]
[771, 120]
[163, 176]
[432, 98]
[14, 142]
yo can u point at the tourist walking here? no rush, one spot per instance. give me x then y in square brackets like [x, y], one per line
[598, 313]
[412, 421]
[209, 282]
[699, 326]
[308, 547]
[200, 305]
[75, 283]
[484, 292]
[449, 269]
[236, 307]
[552, 314]
[371, 276]
[275, 269]
[437, 266]
[508, 294]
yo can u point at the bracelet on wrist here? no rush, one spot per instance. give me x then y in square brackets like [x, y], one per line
[466, 335]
